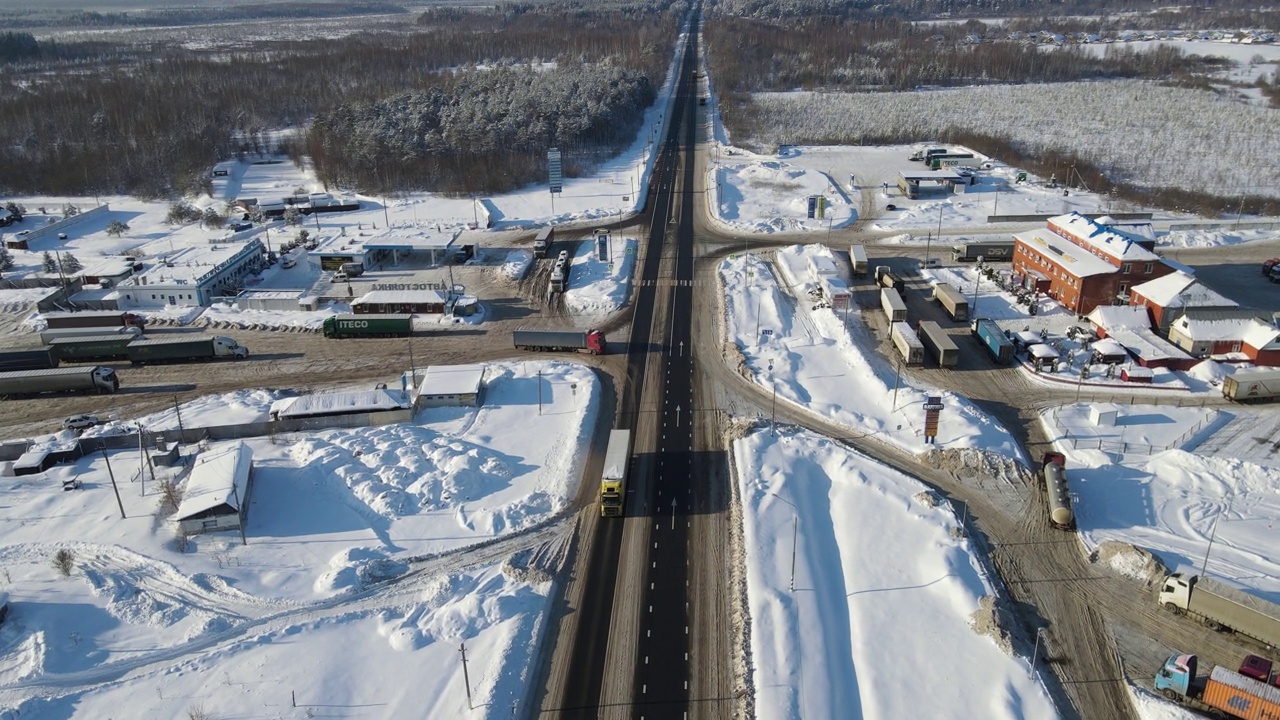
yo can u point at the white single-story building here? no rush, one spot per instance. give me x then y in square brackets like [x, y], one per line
[216, 496]
[344, 402]
[192, 276]
[451, 385]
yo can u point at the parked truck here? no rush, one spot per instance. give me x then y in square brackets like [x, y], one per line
[894, 308]
[100, 380]
[952, 301]
[542, 243]
[91, 318]
[92, 348]
[891, 280]
[943, 160]
[591, 341]
[358, 326]
[1223, 691]
[993, 339]
[938, 343]
[130, 331]
[1252, 385]
[1222, 607]
[858, 259]
[927, 153]
[988, 250]
[904, 338]
[613, 481]
[185, 348]
[28, 360]
[1053, 473]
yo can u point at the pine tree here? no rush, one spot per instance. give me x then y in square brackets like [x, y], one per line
[71, 264]
[6, 259]
[48, 263]
[116, 228]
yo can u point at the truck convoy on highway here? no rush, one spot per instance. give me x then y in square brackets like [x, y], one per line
[1053, 473]
[1223, 691]
[1252, 385]
[952, 301]
[993, 339]
[613, 481]
[591, 341]
[91, 318]
[894, 308]
[28, 360]
[100, 380]
[938, 343]
[1222, 607]
[356, 326]
[909, 347]
[988, 250]
[858, 259]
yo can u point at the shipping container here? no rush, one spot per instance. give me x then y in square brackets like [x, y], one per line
[1243, 697]
[909, 346]
[993, 339]
[939, 343]
[894, 308]
[371, 325]
[988, 250]
[15, 360]
[952, 301]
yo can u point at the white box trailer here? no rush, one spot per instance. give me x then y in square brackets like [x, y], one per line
[1252, 385]
[939, 343]
[893, 305]
[952, 301]
[1219, 606]
[904, 338]
[858, 259]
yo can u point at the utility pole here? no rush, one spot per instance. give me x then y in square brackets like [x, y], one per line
[1213, 534]
[466, 679]
[119, 502]
[539, 392]
[178, 410]
[385, 216]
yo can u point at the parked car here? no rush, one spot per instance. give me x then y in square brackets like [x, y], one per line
[340, 276]
[288, 263]
[79, 422]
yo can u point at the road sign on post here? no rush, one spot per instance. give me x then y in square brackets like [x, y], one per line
[822, 207]
[932, 408]
[555, 173]
[813, 206]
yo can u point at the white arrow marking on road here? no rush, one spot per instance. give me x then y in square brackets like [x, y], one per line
[677, 416]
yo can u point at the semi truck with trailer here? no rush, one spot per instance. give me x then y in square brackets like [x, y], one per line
[1053, 473]
[542, 243]
[1221, 607]
[1252, 385]
[952, 301]
[41, 359]
[91, 318]
[988, 250]
[889, 279]
[858, 259]
[993, 339]
[894, 308]
[938, 343]
[589, 341]
[186, 348]
[92, 348]
[101, 380]
[1223, 691]
[944, 160]
[373, 325]
[613, 481]
[904, 338]
[131, 331]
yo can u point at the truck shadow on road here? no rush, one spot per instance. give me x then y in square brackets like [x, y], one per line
[141, 389]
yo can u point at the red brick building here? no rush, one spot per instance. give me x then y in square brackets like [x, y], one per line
[1170, 296]
[1082, 263]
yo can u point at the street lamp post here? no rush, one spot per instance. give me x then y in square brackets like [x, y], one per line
[795, 529]
[1213, 534]
[1035, 654]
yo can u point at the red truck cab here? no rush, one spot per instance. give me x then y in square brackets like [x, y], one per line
[1258, 668]
[596, 342]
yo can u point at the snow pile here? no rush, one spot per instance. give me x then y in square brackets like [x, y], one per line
[1130, 561]
[816, 362]
[231, 408]
[516, 264]
[356, 568]
[760, 195]
[595, 287]
[873, 566]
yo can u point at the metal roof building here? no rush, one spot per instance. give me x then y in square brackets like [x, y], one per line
[216, 494]
[451, 385]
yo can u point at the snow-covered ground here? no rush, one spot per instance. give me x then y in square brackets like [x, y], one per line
[822, 360]
[884, 586]
[600, 287]
[144, 623]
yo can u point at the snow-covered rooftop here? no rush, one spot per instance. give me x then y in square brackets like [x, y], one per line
[1075, 260]
[1119, 317]
[331, 403]
[1145, 344]
[1180, 289]
[452, 380]
[219, 477]
[1107, 347]
[1111, 241]
[383, 297]
[1260, 335]
[189, 265]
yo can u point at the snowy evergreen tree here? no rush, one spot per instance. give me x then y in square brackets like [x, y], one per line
[48, 264]
[6, 259]
[71, 264]
[116, 228]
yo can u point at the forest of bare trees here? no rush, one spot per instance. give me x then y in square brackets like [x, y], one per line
[1235, 12]
[84, 118]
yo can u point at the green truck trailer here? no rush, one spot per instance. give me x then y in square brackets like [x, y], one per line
[357, 326]
[185, 348]
[92, 348]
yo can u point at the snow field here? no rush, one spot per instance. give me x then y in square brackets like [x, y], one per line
[599, 288]
[882, 582]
